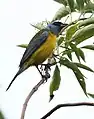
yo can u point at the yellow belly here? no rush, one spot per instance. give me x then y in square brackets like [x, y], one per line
[44, 51]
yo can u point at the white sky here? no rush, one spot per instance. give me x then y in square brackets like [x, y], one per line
[15, 19]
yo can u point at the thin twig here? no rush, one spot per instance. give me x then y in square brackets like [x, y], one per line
[67, 105]
[29, 96]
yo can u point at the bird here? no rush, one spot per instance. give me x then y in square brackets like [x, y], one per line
[40, 47]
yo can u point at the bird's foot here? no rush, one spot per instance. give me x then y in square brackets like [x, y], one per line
[46, 76]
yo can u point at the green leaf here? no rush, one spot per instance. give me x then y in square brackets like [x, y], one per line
[91, 95]
[62, 12]
[86, 1]
[89, 8]
[71, 5]
[23, 45]
[69, 55]
[1, 115]
[76, 50]
[64, 61]
[81, 82]
[87, 22]
[83, 34]
[90, 47]
[70, 31]
[81, 53]
[84, 67]
[60, 40]
[80, 4]
[80, 77]
[64, 2]
[55, 83]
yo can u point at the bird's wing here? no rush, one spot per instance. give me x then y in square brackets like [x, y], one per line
[34, 44]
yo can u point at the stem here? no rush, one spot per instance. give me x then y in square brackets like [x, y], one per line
[29, 96]
[67, 105]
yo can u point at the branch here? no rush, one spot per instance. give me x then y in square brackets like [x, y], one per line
[44, 79]
[29, 96]
[67, 105]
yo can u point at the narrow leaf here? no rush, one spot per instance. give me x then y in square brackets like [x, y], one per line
[86, 1]
[70, 31]
[76, 50]
[91, 95]
[84, 67]
[90, 47]
[83, 34]
[81, 82]
[71, 4]
[62, 12]
[60, 40]
[55, 83]
[1, 115]
[69, 55]
[87, 22]
[80, 77]
[64, 61]
[89, 8]
[23, 45]
[81, 53]
[80, 4]
[64, 2]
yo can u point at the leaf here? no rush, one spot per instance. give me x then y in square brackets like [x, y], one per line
[76, 50]
[80, 77]
[84, 67]
[91, 95]
[70, 31]
[69, 55]
[23, 45]
[81, 82]
[1, 115]
[86, 1]
[83, 34]
[89, 8]
[90, 47]
[55, 83]
[64, 61]
[81, 53]
[62, 12]
[64, 2]
[87, 22]
[80, 4]
[71, 5]
[60, 40]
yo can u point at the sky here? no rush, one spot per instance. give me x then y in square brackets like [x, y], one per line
[15, 28]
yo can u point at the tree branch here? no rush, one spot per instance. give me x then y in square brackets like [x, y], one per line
[29, 96]
[66, 105]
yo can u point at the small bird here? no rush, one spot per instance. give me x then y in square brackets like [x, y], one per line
[40, 47]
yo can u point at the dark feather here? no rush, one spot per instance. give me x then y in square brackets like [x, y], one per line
[34, 44]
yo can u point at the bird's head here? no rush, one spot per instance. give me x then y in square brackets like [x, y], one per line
[55, 27]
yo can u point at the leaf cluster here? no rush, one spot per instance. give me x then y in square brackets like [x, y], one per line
[70, 6]
[69, 43]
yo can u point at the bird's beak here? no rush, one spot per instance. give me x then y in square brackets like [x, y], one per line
[63, 27]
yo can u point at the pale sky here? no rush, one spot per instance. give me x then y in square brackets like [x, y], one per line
[15, 19]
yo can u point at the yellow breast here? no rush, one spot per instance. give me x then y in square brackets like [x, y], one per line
[44, 51]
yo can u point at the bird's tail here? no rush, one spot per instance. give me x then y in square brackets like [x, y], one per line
[18, 73]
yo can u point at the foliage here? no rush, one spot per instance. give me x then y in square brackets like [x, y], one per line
[69, 42]
[1, 115]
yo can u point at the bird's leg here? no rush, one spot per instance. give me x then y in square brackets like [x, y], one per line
[39, 70]
[47, 66]
[42, 75]
[46, 69]
[46, 75]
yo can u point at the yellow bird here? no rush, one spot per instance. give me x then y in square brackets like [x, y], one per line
[40, 47]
